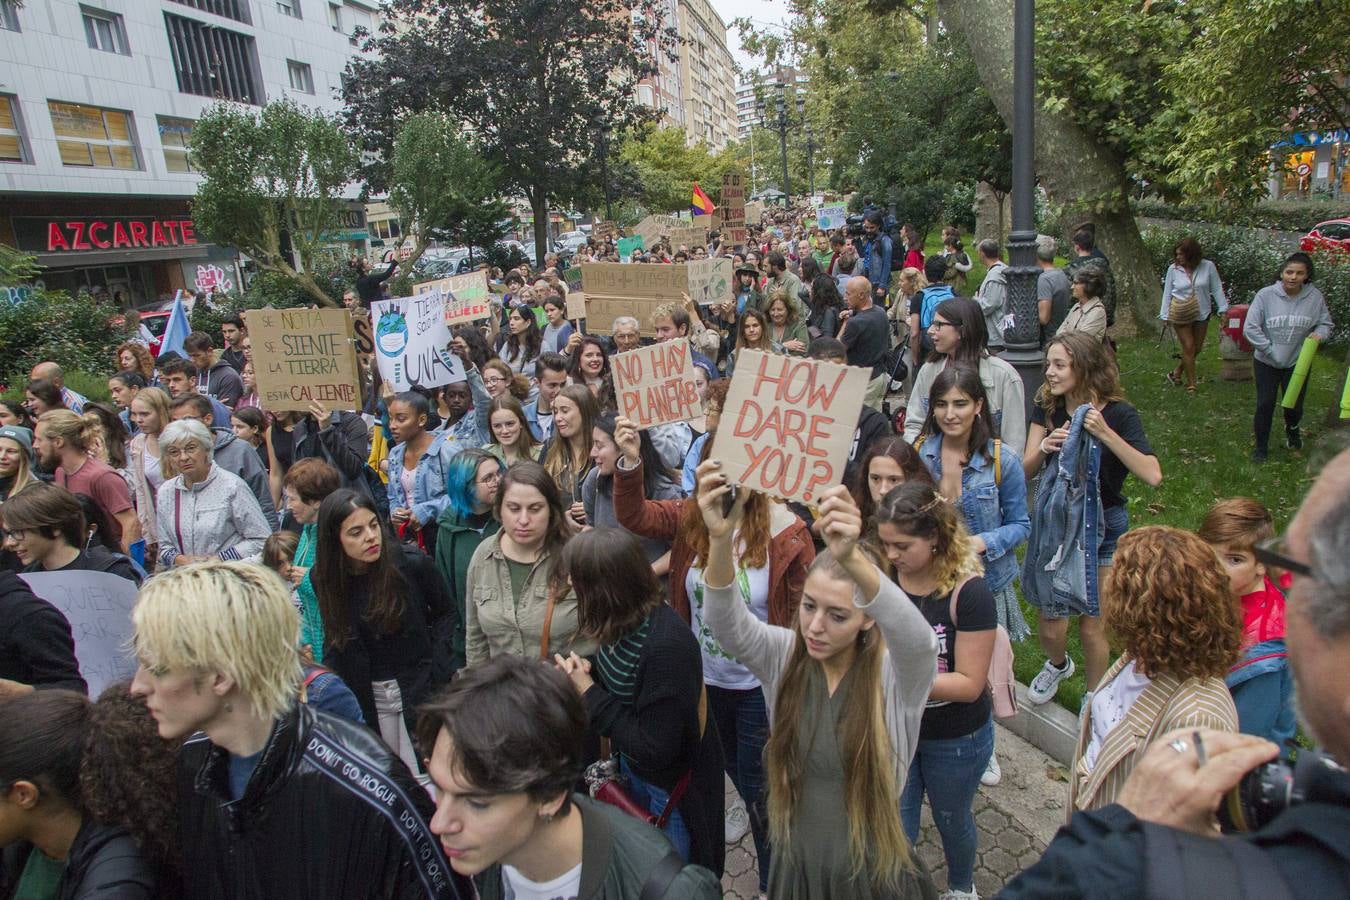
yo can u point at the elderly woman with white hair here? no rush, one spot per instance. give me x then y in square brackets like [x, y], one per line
[204, 512]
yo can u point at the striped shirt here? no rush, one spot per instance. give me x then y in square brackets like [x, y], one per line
[618, 663]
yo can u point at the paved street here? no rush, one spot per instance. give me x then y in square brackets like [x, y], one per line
[1016, 819]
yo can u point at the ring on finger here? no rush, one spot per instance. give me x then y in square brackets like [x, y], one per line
[1179, 745]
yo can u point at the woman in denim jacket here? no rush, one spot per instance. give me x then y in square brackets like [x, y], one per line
[986, 483]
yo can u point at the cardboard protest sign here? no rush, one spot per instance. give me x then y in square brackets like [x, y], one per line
[615, 289]
[576, 305]
[831, 217]
[689, 237]
[572, 277]
[467, 297]
[710, 281]
[98, 607]
[412, 342]
[754, 212]
[733, 208]
[653, 228]
[655, 384]
[788, 423]
[602, 230]
[627, 245]
[303, 355]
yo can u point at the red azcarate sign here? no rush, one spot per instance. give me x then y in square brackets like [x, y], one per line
[85, 234]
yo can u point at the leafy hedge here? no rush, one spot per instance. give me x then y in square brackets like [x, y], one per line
[1281, 215]
[78, 332]
[1247, 263]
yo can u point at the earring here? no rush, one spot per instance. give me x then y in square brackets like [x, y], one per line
[548, 817]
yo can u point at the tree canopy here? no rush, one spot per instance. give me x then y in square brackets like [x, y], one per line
[270, 176]
[538, 83]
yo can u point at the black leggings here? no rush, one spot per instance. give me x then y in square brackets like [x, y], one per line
[1268, 380]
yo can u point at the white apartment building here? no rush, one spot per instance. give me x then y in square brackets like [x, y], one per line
[97, 102]
[707, 75]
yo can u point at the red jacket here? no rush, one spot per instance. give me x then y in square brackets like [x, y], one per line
[790, 551]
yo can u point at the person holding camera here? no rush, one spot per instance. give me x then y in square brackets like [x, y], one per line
[1158, 838]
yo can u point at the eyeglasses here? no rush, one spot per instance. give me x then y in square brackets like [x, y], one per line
[1273, 552]
[494, 379]
[13, 534]
[179, 452]
[938, 323]
[491, 478]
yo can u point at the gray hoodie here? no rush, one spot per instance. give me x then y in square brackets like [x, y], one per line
[215, 517]
[239, 458]
[1277, 323]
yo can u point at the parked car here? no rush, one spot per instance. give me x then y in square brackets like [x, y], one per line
[1333, 234]
[570, 242]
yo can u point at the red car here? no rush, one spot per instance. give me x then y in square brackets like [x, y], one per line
[1333, 234]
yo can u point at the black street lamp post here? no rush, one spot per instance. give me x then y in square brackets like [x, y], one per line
[782, 139]
[1022, 339]
[811, 160]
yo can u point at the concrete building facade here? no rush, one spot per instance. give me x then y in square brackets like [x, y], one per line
[97, 103]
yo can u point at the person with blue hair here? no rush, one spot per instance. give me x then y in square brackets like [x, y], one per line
[471, 482]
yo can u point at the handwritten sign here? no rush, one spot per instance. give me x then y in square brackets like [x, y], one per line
[303, 355]
[689, 237]
[831, 217]
[653, 228]
[710, 281]
[615, 289]
[572, 277]
[98, 607]
[412, 341]
[467, 297]
[602, 230]
[655, 384]
[754, 211]
[576, 305]
[788, 423]
[733, 208]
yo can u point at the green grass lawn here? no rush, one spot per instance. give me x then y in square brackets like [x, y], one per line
[1203, 443]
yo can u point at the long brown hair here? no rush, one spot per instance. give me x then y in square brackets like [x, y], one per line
[332, 572]
[916, 508]
[615, 587]
[1095, 374]
[525, 441]
[560, 455]
[145, 363]
[752, 550]
[532, 474]
[903, 454]
[871, 791]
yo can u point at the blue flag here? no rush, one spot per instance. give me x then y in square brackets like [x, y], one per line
[176, 331]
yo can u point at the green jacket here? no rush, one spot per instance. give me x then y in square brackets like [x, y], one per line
[456, 541]
[794, 332]
[617, 853]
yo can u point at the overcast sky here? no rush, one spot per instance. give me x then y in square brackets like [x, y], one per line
[762, 12]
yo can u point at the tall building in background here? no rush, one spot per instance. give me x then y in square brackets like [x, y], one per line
[707, 75]
[697, 91]
[97, 103]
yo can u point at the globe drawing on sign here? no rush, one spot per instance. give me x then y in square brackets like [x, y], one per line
[391, 333]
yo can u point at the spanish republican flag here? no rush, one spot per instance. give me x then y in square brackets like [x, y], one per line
[701, 205]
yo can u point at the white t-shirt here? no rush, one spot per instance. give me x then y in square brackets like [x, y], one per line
[1110, 704]
[719, 669]
[566, 886]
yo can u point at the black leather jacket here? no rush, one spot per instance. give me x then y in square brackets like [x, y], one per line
[104, 863]
[329, 811]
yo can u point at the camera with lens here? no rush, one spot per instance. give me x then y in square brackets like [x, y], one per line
[1270, 789]
[854, 224]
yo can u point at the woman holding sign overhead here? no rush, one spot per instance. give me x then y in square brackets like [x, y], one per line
[772, 550]
[846, 677]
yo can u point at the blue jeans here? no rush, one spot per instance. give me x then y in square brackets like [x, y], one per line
[743, 725]
[1117, 522]
[949, 771]
[652, 797]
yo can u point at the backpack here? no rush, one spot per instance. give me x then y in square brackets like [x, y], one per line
[932, 296]
[1002, 682]
[998, 465]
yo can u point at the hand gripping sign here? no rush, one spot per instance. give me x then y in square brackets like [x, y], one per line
[788, 423]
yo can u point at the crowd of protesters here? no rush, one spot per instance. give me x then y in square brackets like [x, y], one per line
[491, 639]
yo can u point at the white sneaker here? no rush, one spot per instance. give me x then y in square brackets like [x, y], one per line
[992, 773]
[971, 894]
[1043, 686]
[738, 822]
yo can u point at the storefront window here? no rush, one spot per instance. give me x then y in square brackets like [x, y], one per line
[174, 135]
[92, 136]
[384, 229]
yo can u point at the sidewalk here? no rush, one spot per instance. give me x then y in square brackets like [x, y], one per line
[1016, 820]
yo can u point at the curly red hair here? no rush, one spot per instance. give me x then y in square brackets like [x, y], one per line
[1169, 603]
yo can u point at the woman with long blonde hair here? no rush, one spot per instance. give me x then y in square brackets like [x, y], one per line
[845, 685]
[924, 536]
[148, 468]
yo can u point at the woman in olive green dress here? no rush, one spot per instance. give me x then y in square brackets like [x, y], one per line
[846, 690]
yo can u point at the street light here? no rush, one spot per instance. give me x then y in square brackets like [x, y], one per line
[601, 125]
[1022, 341]
[782, 139]
[810, 160]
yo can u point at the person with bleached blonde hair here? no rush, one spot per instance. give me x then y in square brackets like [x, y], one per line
[215, 642]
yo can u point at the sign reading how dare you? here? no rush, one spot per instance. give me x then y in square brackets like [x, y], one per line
[788, 423]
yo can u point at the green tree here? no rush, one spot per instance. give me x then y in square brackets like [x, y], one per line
[16, 266]
[537, 82]
[442, 188]
[666, 167]
[272, 177]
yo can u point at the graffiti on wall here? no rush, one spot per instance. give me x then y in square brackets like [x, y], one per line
[211, 277]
